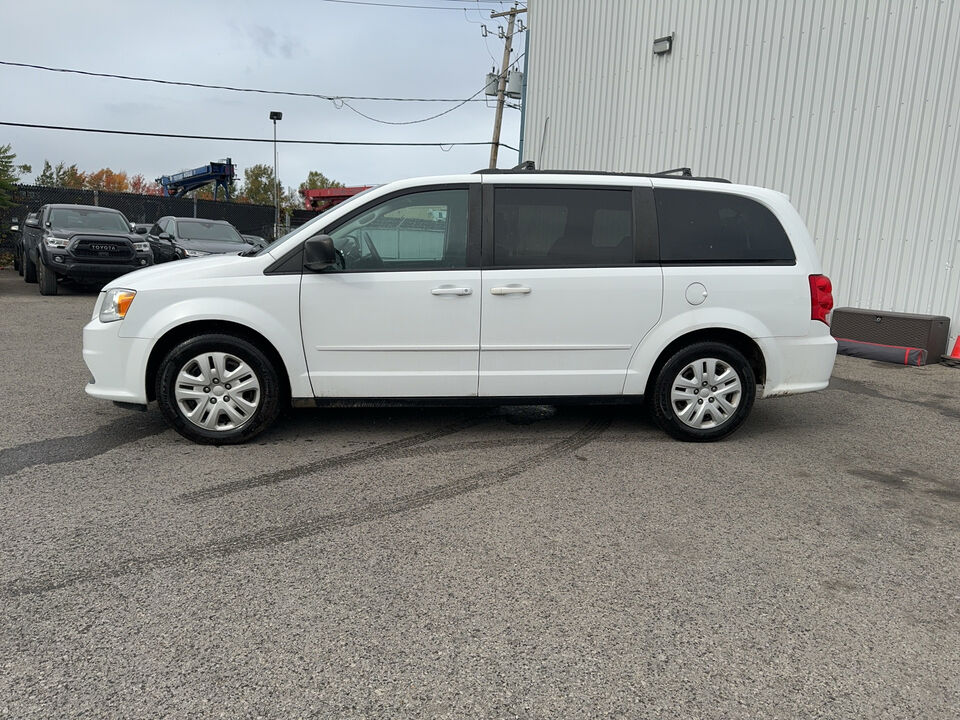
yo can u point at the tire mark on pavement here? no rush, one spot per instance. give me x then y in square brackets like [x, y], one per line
[78, 447]
[328, 463]
[282, 534]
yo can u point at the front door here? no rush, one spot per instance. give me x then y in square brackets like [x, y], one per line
[570, 287]
[401, 317]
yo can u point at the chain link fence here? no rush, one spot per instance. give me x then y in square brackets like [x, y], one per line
[248, 219]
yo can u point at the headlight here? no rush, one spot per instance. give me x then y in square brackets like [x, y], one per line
[141, 246]
[116, 304]
[195, 253]
[56, 242]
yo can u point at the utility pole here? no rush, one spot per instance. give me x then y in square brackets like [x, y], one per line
[276, 115]
[502, 84]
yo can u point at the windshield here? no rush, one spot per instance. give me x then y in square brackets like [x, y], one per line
[79, 219]
[200, 230]
[314, 221]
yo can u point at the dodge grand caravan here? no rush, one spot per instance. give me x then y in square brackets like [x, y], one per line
[496, 287]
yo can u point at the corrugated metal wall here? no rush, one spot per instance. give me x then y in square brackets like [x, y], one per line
[849, 106]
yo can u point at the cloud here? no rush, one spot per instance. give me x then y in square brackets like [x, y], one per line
[273, 44]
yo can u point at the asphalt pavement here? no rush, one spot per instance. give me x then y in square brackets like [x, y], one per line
[542, 562]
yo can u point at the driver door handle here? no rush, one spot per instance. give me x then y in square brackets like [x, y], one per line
[451, 291]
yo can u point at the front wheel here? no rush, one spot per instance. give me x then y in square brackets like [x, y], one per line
[704, 392]
[29, 269]
[47, 279]
[218, 389]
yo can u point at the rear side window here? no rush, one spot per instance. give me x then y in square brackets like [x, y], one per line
[712, 227]
[554, 227]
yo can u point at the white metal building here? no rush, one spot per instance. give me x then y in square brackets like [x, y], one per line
[851, 107]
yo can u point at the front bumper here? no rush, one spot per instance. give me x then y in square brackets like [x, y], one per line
[66, 265]
[118, 364]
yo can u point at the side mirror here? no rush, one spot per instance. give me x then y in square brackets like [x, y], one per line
[319, 253]
[33, 223]
[14, 227]
[165, 236]
[140, 230]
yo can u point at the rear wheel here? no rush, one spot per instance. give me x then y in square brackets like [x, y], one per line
[47, 279]
[704, 392]
[29, 269]
[218, 389]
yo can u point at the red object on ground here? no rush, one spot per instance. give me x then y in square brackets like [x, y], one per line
[955, 355]
[884, 353]
[324, 198]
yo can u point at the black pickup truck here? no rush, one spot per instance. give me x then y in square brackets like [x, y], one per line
[85, 244]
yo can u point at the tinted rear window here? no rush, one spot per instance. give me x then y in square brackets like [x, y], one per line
[711, 227]
[551, 227]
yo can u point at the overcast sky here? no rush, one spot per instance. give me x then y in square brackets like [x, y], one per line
[305, 46]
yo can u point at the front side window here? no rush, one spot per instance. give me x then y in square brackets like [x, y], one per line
[555, 227]
[698, 226]
[416, 231]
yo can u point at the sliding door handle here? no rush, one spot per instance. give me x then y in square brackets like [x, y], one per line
[510, 290]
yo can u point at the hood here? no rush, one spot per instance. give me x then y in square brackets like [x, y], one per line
[215, 247]
[192, 272]
[70, 232]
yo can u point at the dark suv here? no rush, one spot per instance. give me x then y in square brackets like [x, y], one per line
[89, 245]
[197, 236]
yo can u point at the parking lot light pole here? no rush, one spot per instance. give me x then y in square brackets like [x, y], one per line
[276, 115]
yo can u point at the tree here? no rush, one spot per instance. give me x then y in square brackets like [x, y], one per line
[290, 200]
[141, 186]
[9, 174]
[47, 178]
[70, 177]
[107, 179]
[258, 185]
[316, 180]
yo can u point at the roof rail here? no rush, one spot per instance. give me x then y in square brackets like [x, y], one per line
[527, 167]
[684, 172]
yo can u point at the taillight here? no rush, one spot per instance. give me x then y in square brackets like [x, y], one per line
[821, 298]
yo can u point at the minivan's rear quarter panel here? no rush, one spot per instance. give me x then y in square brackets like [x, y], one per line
[769, 303]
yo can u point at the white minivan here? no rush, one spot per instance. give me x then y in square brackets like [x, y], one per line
[500, 287]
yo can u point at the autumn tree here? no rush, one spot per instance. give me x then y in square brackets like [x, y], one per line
[141, 186]
[70, 177]
[107, 179]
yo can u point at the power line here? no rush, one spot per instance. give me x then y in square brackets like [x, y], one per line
[432, 117]
[344, 103]
[410, 7]
[231, 88]
[440, 145]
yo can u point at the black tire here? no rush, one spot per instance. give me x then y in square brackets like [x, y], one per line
[271, 392]
[665, 413]
[29, 269]
[47, 279]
